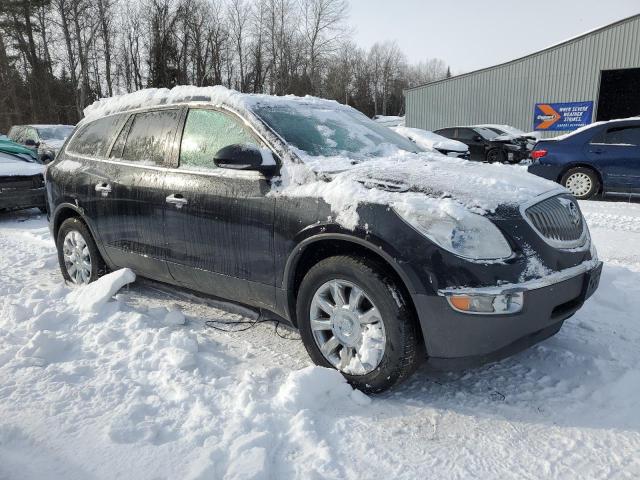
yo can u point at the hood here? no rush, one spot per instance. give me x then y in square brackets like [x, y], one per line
[481, 188]
[412, 181]
[13, 168]
[431, 141]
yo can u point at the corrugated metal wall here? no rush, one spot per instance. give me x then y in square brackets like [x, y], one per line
[506, 94]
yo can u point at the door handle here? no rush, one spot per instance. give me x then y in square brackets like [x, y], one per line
[104, 188]
[598, 151]
[177, 199]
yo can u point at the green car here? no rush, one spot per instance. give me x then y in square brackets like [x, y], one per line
[13, 148]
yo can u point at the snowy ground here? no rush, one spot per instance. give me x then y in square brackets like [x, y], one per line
[124, 389]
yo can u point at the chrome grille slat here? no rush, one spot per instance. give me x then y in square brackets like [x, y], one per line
[558, 220]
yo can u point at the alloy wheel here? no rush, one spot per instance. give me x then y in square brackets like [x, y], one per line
[347, 327]
[77, 258]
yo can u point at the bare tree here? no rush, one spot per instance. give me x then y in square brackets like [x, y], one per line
[324, 27]
[56, 56]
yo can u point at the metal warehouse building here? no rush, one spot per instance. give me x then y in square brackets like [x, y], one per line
[599, 69]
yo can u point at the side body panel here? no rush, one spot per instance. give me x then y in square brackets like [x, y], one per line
[221, 241]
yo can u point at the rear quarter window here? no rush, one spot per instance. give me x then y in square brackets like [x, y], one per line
[628, 135]
[94, 139]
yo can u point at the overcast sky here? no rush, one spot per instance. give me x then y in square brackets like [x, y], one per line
[471, 34]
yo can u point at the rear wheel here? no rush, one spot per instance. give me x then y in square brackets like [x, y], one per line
[582, 182]
[354, 318]
[79, 258]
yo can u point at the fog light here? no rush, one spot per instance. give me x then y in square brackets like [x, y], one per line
[487, 304]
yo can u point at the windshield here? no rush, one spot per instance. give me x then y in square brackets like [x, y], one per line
[486, 133]
[507, 130]
[325, 131]
[55, 132]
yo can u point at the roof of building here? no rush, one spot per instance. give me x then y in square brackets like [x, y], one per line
[539, 52]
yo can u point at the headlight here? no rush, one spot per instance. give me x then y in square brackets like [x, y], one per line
[457, 230]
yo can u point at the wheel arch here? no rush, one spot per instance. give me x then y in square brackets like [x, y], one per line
[65, 211]
[586, 165]
[317, 248]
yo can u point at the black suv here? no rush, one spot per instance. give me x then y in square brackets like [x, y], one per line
[305, 209]
[485, 145]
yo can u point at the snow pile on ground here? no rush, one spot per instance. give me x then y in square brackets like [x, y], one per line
[90, 298]
[429, 140]
[316, 387]
[138, 388]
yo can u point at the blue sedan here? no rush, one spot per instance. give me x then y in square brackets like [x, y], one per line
[601, 158]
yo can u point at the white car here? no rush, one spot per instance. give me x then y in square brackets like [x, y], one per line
[433, 142]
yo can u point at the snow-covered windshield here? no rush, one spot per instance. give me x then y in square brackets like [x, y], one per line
[322, 130]
[54, 132]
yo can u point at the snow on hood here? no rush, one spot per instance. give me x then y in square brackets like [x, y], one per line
[429, 140]
[417, 182]
[11, 167]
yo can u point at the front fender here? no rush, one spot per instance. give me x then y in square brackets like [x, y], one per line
[359, 237]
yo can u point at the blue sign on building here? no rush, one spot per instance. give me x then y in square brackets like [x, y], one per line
[562, 116]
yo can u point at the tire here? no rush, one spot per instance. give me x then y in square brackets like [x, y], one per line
[496, 156]
[397, 355]
[68, 232]
[582, 182]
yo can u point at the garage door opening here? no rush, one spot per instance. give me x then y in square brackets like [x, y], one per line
[619, 94]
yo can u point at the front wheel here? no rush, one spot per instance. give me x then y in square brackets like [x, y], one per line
[496, 156]
[79, 258]
[582, 182]
[353, 317]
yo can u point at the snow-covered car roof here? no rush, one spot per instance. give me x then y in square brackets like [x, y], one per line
[429, 140]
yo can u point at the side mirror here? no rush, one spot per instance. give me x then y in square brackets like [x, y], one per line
[242, 157]
[477, 138]
[30, 142]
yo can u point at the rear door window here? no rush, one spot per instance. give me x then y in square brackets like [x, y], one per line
[447, 132]
[94, 139]
[623, 136]
[151, 137]
[466, 134]
[206, 132]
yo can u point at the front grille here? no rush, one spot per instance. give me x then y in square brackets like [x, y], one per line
[559, 221]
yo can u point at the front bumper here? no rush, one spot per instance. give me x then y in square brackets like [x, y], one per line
[550, 172]
[17, 199]
[457, 340]
[455, 153]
